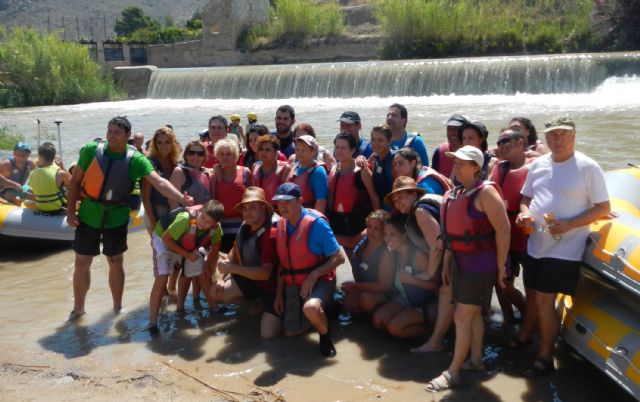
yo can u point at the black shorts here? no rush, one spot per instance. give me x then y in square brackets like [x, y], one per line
[251, 290]
[551, 275]
[474, 288]
[87, 240]
[513, 264]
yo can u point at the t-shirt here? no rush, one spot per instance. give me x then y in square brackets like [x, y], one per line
[321, 240]
[565, 189]
[92, 213]
[180, 226]
[417, 144]
[317, 181]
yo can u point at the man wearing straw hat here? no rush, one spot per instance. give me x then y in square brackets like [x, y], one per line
[251, 265]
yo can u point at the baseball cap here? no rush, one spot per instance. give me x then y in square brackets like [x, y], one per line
[349, 118]
[309, 140]
[468, 153]
[287, 191]
[457, 120]
[22, 146]
[478, 126]
[559, 123]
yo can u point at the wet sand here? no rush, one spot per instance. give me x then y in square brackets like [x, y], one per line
[205, 355]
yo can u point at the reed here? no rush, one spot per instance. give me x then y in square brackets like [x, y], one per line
[8, 138]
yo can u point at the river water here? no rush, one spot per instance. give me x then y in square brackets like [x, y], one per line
[226, 352]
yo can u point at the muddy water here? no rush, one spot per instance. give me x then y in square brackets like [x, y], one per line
[223, 349]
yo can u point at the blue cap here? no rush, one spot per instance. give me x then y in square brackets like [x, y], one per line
[287, 191]
[22, 146]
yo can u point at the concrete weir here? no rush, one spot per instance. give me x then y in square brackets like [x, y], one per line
[134, 80]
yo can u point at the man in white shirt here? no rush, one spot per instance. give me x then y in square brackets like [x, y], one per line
[564, 192]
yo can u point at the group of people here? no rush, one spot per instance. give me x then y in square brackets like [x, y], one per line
[270, 215]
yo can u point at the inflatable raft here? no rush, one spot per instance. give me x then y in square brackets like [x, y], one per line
[602, 321]
[30, 223]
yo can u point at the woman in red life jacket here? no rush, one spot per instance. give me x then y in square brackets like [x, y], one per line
[323, 156]
[476, 232]
[229, 189]
[269, 172]
[406, 162]
[349, 196]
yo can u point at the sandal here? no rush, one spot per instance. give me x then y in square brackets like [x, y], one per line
[516, 344]
[539, 368]
[471, 366]
[74, 316]
[441, 383]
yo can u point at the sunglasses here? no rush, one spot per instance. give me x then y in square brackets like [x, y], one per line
[199, 153]
[504, 141]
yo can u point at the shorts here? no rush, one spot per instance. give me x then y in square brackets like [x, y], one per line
[513, 264]
[163, 258]
[251, 290]
[87, 240]
[551, 275]
[192, 269]
[294, 319]
[474, 288]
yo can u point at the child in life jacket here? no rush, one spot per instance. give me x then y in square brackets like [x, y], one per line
[190, 237]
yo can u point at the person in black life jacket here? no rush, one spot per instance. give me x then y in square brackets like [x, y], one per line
[250, 268]
[48, 180]
[284, 121]
[476, 232]
[14, 172]
[309, 254]
[103, 180]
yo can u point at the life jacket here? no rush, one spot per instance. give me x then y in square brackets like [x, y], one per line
[382, 177]
[414, 295]
[304, 181]
[248, 246]
[366, 269]
[270, 182]
[196, 183]
[363, 149]
[432, 203]
[462, 232]
[48, 196]
[17, 175]
[411, 137]
[230, 193]
[445, 164]
[210, 160]
[189, 241]
[155, 196]
[427, 172]
[296, 259]
[511, 182]
[107, 180]
[348, 205]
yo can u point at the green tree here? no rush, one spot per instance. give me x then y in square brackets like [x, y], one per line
[133, 19]
[195, 22]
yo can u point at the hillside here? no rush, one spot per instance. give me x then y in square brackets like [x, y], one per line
[87, 13]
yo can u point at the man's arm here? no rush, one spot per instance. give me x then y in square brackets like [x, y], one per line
[333, 261]
[73, 195]
[5, 172]
[597, 211]
[166, 188]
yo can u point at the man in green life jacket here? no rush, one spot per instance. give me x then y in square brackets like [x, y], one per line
[47, 181]
[103, 180]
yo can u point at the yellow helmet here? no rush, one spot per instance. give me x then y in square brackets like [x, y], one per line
[252, 116]
[235, 117]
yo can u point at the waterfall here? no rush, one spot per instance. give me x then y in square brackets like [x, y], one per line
[569, 73]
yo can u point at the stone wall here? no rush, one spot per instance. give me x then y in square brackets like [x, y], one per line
[134, 80]
[222, 21]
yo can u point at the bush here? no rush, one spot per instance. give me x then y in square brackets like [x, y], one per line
[8, 139]
[39, 69]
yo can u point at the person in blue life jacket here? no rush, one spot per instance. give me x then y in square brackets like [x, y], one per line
[351, 124]
[397, 118]
[14, 172]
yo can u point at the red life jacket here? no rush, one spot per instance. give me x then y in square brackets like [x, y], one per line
[344, 197]
[230, 193]
[511, 182]
[210, 160]
[190, 241]
[429, 172]
[271, 181]
[462, 232]
[296, 259]
[304, 181]
[445, 164]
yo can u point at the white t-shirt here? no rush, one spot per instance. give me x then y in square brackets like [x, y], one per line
[566, 189]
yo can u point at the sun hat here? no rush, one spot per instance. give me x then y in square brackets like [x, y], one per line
[559, 123]
[457, 120]
[349, 118]
[287, 191]
[22, 146]
[468, 153]
[309, 140]
[254, 194]
[403, 183]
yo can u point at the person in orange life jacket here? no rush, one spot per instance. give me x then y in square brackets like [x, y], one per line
[476, 134]
[349, 195]
[372, 268]
[378, 169]
[269, 172]
[184, 238]
[510, 174]
[439, 161]
[308, 174]
[351, 124]
[229, 188]
[47, 181]
[397, 117]
[406, 162]
[476, 233]
[250, 269]
[321, 154]
[572, 186]
[309, 254]
[405, 314]
[534, 147]
[285, 119]
[191, 176]
[14, 172]
[105, 172]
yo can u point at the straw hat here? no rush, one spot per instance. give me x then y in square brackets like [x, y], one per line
[403, 183]
[253, 194]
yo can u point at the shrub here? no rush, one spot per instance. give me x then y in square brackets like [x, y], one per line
[9, 139]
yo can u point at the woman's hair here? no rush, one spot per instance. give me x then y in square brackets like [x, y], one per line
[526, 123]
[307, 128]
[227, 144]
[384, 130]
[398, 222]
[379, 214]
[347, 137]
[174, 154]
[193, 144]
[270, 139]
[411, 155]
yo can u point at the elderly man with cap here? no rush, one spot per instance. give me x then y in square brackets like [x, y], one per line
[14, 172]
[309, 174]
[250, 268]
[439, 161]
[309, 254]
[564, 192]
[350, 123]
[476, 234]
